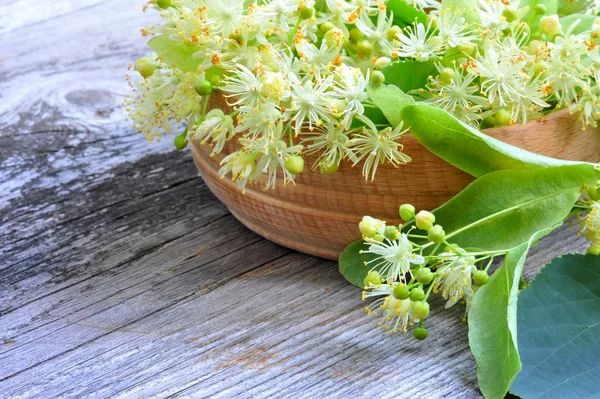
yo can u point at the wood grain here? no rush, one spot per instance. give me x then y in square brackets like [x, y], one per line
[122, 276]
[319, 215]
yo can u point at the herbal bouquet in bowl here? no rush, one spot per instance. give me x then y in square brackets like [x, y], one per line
[271, 85]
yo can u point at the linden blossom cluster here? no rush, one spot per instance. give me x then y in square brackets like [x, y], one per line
[296, 72]
[588, 216]
[406, 267]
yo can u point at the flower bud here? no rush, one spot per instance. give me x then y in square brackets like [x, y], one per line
[594, 249]
[420, 310]
[436, 234]
[425, 220]
[382, 62]
[503, 117]
[391, 233]
[510, 13]
[372, 278]
[203, 87]
[467, 48]
[480, 277]
[294, 164]
[593, 192]
[334, 38]
[369, 226]
[306, 12]
[424, 275]
[393, 32]
[181, 141]
[328, 170]
[356, 35]
[550, 25]
[417, 294]
[535, 47]
[365, 48]
[377, 78]
[326, 27]
[378, 237]
[420, 333]
[407, 212]
[401, 292]
[540, 9]
[164, 4]
[145, 66]
[447, 75]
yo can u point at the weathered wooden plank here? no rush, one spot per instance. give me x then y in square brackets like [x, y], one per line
[122, 276]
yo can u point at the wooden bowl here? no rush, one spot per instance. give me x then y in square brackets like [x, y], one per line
[320, 214]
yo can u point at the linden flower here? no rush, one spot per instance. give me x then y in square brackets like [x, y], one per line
[224, 16]
[498, 76]
[418, 43]
[397, 314]
[588, 106]
[258, 121]
[377, 147]
[351, 89]
[330, 141]
[491, 13]
[216, 126]
[311, 103]
[241, 165]
[453, 28]
[459, 92]
[243, 85]
[377, 33]
[393, 257]
[590, 224]
[455, 279]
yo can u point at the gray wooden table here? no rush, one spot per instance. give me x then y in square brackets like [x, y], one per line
[121, 275]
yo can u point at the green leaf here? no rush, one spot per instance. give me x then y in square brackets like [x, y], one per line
[467, 148]
[404, 13]
[493, 324]
[390, 100]
[352, 263]
[175, 53]
[559, 331]
[468, 8]
[408, 75]
[501, 210]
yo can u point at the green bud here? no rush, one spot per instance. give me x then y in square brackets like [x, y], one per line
[594, 249]
[467, 49]
[378, 237]
[425, 220]
[377, 77]
[503, 117]
[407, 212]
[214, 75]
[489, 121]
[306, 12]
[424, 275]
[328, 170]
[391, 233]
[420, 310]
[164, 4]
[294, 164]
[480, 277]
[372, 279]
[510, 13]
[203, 87]
[417, 294]
[550, 25]
[326, 27]
[452, 248]
[181, 141]
[145, 66]
[393, 32]
[447, 75]
[365, 48]
[540, 9]
[420, 333]
[436, 234]
[535, 47]
[356, 35]
[401, 292]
